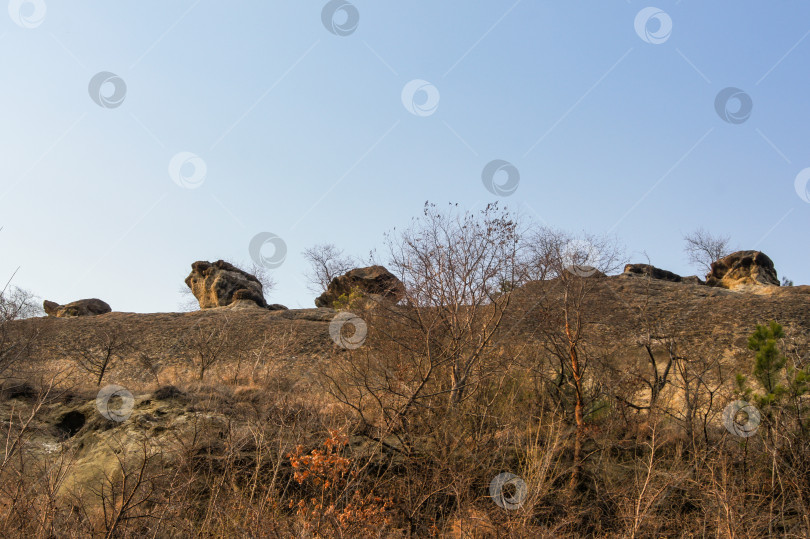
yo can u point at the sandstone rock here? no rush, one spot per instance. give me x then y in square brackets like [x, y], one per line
[50, 307]
[653, 272]
[82, 307]
[692, 279]
[219, 284]
[743, 269]
[370, 281]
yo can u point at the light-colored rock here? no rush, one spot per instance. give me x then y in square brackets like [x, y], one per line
[743, 270]
[219, 284]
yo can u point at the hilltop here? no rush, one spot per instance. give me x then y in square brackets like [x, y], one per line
[487, 389]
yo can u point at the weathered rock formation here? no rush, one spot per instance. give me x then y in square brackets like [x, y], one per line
[742, 269]
[220, 284]
[371, 281]
[647, 270]
[82, 307]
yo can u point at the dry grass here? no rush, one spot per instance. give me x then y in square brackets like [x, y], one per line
[288, 435]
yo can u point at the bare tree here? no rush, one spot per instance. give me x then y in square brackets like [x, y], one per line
[262, 274]
[187, 301]
[651, 373]
[453, 267]
[326, 262]
[129, 493]
[96, 349]
[702, 248]
[571, 267]
[16, 304]
[431, 356]
[209, 342]
[15, 340]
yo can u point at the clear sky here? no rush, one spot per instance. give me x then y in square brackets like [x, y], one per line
[300, 128]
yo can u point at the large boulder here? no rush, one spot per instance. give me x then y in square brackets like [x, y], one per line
[220, 284]
[375, 281]
[741, 270]
[647, 270]
[82, 307]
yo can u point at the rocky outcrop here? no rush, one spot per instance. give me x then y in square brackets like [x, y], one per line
[220, 284]
[743, 269]
[375, 281]
[647, 270]
[82, 307]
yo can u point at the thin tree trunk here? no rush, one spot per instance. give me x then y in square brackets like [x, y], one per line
[102, 371]
[458, 383]
[578, 415]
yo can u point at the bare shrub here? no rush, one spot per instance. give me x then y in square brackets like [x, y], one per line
[574, 266]
[208, 342]
[454, 267]
[127, 497]
[326, 262]
[702, 248]
[16, 336]
[96, 349]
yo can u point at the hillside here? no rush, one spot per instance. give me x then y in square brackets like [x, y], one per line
[282, 384]
[714, 321]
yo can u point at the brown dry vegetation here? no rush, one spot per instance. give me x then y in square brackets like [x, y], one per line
[514, 391]
[287, 434]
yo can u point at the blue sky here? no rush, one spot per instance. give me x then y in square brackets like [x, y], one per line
[304, 133]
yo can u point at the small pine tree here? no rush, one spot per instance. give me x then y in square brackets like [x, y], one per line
[783, 384]
[768, 362]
